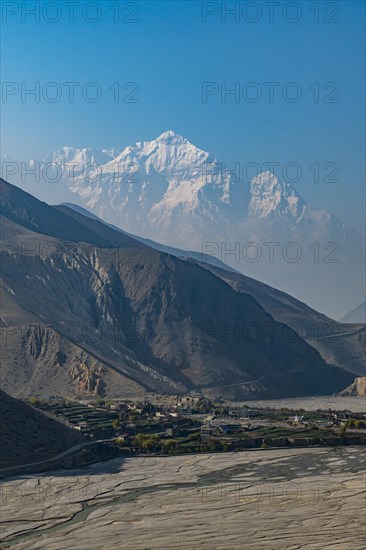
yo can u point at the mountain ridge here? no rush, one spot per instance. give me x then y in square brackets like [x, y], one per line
[337, 343]
[356, 315]
[154, 322]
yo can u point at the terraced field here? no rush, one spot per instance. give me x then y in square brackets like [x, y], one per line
[75, 413]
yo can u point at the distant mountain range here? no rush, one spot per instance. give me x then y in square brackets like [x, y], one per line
[356, 315]
[172, 192]
[90, 310]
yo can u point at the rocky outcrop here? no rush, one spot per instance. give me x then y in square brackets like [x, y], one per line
[89, 379]
[357, 388]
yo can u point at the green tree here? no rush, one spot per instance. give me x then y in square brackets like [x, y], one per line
[150, 441]
[138, 439]
[116, 424]
[169, 446]
[146, 441]
[342, 430]
[34, 401]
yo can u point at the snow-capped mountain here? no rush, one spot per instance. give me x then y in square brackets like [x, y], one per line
[170, 191]
[271, 198]
[166, 189]
[79, 157]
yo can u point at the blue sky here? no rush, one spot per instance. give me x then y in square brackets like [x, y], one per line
[168, 52]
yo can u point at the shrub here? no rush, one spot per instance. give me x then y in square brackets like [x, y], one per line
[145, 441]
[342, 430]
[34, 401]
[169, 446]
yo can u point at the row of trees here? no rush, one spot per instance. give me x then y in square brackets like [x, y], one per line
[153, 443]
[352, 423]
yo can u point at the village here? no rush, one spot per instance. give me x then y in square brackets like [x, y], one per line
[193, 423]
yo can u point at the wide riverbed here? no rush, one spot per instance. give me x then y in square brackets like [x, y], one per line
[324, 403]
[274, 499]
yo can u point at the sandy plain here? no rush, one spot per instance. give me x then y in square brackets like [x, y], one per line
[274, 499]
[335, 403]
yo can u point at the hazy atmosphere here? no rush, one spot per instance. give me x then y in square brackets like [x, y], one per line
[183, 313]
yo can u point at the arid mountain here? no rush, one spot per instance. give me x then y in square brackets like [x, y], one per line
[206, 258]
[340, 344]
[28, 435]
[88, 310]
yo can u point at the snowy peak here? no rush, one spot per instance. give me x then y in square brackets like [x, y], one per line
[271, 197]
[170, 155]
[79, 156]
[171, 137]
